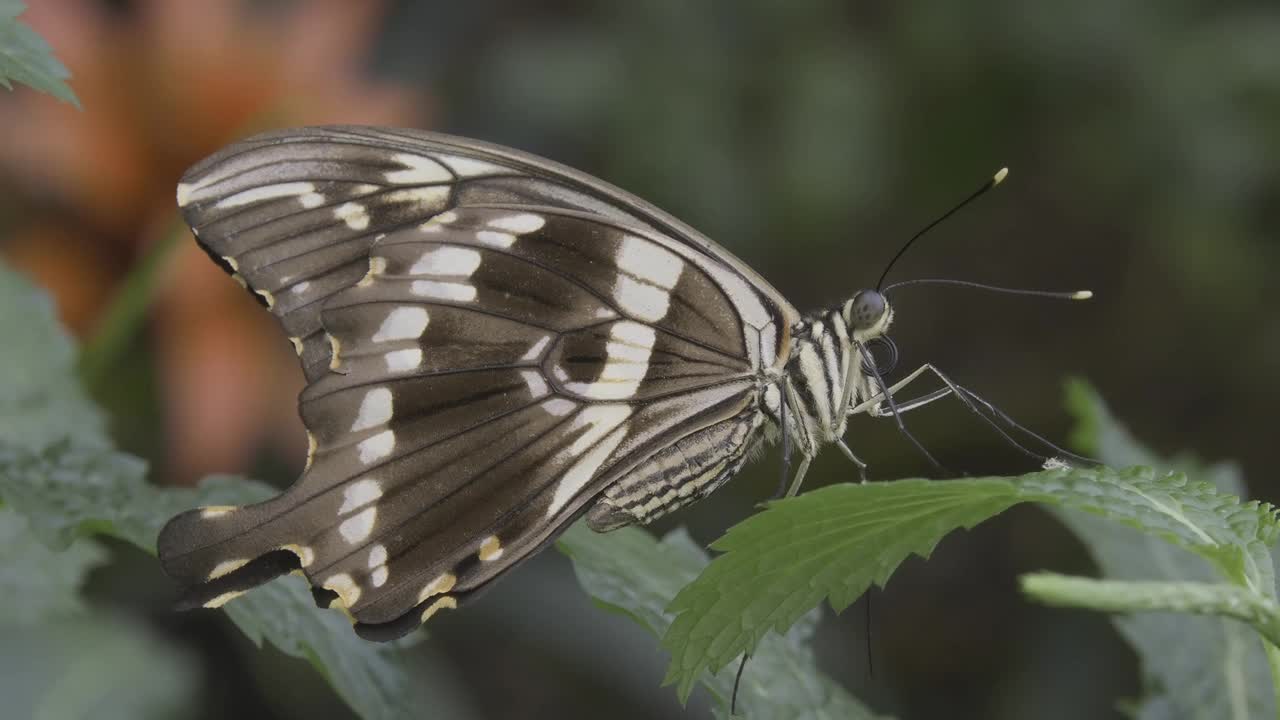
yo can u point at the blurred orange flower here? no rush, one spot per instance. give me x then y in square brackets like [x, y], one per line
[164, 83]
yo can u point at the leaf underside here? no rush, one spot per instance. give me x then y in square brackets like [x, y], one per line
[630, 572]
[26, 58]
[59, 474]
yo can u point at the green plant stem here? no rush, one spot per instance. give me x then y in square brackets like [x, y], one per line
[1270, 648]
[121, 323]
[1223, 600]
[1229, 601]
[1273, 661]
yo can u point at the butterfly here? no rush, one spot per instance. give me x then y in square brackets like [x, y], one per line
[494, 346]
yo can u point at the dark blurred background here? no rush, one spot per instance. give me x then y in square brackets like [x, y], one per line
[811, 138]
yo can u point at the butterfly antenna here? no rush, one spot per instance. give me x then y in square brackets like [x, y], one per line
[1055, 294]
[994, 181]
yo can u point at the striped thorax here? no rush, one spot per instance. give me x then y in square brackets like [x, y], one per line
[824, 377]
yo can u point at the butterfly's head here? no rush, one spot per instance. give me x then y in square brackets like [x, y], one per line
[867, 315]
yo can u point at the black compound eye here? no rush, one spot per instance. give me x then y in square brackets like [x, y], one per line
[865, 309]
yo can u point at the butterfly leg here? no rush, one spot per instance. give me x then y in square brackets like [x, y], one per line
[786, 444]
[862, 465]
[794, 487]
[873, 407]
[973, 402]
[788, 489]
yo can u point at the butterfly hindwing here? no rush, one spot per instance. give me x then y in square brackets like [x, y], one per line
[480, 366]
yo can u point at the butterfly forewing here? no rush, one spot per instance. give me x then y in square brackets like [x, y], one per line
[490, 341]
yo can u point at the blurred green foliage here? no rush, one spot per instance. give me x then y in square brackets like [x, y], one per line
[25, 57]
[630, 572]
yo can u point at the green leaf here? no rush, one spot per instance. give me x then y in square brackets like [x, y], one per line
[376, 680]
[629, 572]
[26, 58]
[834, 542]
[1096, 433]
[1122, 596]
[40, 402]
[1202, 667]
[38, 584]
[1233, 535]
[830, 543]
[57, 660]
[67, 492]
[58, 472]
[104, 667]
[1193, 667]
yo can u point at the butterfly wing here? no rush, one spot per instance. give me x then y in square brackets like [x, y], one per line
[489, 339]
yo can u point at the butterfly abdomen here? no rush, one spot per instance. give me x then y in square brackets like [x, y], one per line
[684, 472]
